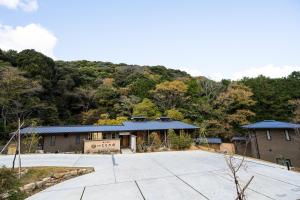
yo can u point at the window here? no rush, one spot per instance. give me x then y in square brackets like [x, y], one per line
[115, 135]
[52, 140]
[287, 135]
[268, 135]
[77, 139]
[107, 136]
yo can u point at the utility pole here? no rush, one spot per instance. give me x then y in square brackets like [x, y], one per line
[19, 146]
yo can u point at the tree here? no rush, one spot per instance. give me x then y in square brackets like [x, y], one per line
[234, 166]
[273, 96]
[169, 94]
[30, 143]
[36, 64]
[91, 116]
[104, 120]
[146, 108]
[296, 110]
[141, 87]
[174, 114]
[17, 95]
[86, 98]
[125, 105]
[233, 109]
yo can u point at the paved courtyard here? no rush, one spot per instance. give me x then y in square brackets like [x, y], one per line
[165, 175]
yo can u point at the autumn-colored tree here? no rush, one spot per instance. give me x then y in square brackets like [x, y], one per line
[169, 94]
[233, 109]
[146, 108]
[90, 117]
[174, 114]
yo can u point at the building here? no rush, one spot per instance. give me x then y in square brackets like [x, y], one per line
[104, 138]
[210, 142]
[242, 145]
[275, 141]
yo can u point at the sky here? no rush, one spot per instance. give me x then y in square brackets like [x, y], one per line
[218, 39]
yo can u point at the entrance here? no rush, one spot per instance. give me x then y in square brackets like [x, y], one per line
[124, 141]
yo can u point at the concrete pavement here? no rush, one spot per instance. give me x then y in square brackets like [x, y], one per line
[165, 175]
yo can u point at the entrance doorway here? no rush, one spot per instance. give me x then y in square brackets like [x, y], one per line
[124, 141]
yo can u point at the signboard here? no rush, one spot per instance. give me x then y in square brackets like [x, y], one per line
[101, 146]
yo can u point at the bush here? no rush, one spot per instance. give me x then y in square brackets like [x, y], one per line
[10, 184]
[141, 147]
[155, 141]
[30, 143]
[181, 141]
[185, 140]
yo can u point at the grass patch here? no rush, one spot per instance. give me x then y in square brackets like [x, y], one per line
[10, 184]
[38, 173]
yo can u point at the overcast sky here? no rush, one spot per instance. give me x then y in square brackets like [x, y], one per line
[217, 39]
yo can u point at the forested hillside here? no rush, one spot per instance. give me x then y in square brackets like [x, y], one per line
[47, 92]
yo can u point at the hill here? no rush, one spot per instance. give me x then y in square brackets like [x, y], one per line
[46, 92]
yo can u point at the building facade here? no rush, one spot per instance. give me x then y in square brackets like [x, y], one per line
[275, 141]
[104, 138]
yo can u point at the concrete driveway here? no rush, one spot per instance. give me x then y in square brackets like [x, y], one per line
[165, 175]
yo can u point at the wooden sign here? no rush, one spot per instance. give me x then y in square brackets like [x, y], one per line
[101, 146]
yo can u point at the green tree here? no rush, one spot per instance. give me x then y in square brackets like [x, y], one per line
[296, 110]
[174, 114]
[104, 120]
[17, 95]
[146, 108]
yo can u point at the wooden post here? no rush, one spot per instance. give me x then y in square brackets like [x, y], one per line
[19, 146]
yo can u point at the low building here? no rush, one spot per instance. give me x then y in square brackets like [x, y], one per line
[275, 141]
[104, 138]
[210, 142]
[242, 145]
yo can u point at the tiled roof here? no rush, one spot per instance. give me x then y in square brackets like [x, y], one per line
[126, 126]
[272, 124]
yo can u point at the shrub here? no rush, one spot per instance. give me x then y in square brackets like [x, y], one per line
[181, 141]
[140, 144]
[185, 140]
[173, 139]
[30, 143]
[155, 141]
[10, 184]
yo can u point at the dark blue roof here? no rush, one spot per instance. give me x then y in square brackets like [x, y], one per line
[238, 138]
[126, 126]
[210, 140]
[266, 124]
